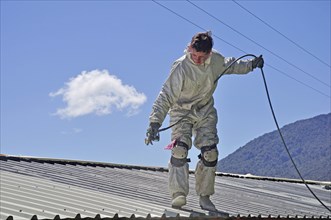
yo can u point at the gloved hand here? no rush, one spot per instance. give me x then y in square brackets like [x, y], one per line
[152, 133]
[258, 62]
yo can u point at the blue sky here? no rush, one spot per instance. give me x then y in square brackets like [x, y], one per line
[78, 78]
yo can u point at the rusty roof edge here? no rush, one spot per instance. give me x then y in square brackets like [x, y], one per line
[150, 168]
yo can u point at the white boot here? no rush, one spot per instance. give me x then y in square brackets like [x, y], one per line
[179, 200]
[206, 204]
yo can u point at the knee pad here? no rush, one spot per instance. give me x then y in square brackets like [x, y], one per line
[179, 154]
[209, 155]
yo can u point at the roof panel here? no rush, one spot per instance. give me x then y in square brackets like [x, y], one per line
[48, 187]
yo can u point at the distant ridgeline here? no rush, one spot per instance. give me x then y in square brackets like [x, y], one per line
[309, 142]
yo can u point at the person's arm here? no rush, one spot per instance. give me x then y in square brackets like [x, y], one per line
[168, 96]
[239, 67]
[243, 66]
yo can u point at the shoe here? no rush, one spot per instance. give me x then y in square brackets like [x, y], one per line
[179, 200]
[206, 204]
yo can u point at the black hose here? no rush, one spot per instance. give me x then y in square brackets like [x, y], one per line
[166, 128]
[274, 117]
[288, 152]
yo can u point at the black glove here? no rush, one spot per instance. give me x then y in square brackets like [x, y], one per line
[152, 133]
[258, 62]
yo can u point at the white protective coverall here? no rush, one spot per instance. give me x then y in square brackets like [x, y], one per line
[188, 92]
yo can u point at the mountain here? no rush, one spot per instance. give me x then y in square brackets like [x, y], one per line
[308, 141]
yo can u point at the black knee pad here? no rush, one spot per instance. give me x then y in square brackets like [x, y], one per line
[209, 155]
[179, 154]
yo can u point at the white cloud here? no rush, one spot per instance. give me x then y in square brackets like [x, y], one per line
[97, 92]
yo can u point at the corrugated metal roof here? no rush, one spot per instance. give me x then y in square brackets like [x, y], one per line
[50, 188]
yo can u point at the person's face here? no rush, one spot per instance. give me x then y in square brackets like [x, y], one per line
[198, 57]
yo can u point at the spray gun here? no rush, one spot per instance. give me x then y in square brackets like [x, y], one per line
[153, 133]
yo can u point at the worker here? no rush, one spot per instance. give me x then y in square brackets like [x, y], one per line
[187, 96]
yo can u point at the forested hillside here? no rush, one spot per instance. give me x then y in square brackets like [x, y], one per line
[309, 143]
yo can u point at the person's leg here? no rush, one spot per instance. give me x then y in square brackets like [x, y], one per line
[205, 171]
[179, 174]
[178, 166]
[206, 140]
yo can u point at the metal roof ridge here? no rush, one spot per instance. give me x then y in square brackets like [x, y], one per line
[80, 162]
[152, 168]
